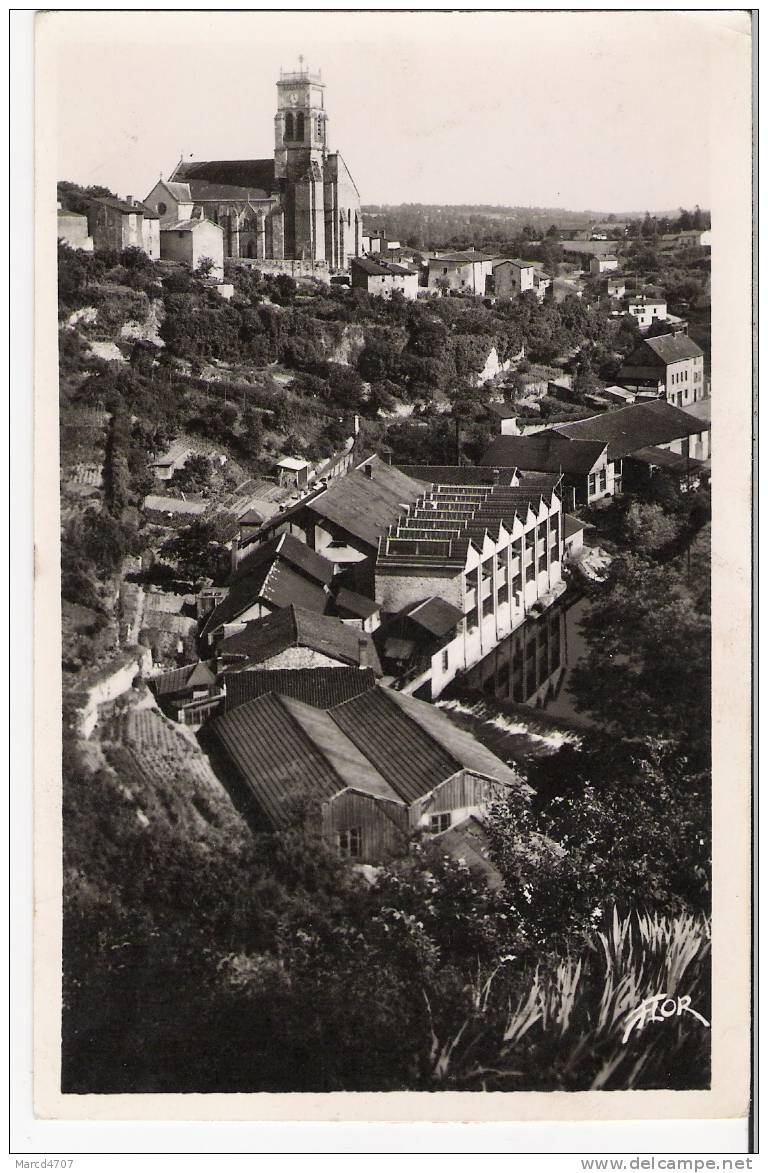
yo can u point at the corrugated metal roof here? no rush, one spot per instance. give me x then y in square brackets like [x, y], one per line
[323, 688]
[414, 745]
[288, 752]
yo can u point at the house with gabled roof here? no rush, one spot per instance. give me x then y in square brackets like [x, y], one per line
[293, 637]
[382, 278]
[342, 521]
[669, 366]
[117, 224]
[188, 693]
[369, 772]
[585, 468]
[271, 576]
[648, 435]
[466, 271]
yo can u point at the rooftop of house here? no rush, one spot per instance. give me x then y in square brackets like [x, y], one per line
[664, 348]
[294, 626]
[639, 425]
[251, 517]
[513, 261]
[292, 463]
[355, 605]
[198, 675]
[437, 530]
[118, 205]
[456, 474]
[572, 525]
[221, 179]
[643, 299]
[381, 268]
[278, 573]
[364, 503]
[191, 226]
[156, 503]
[174, 452]
[323, 688]
[291, 550]
[435, 615]
[461, 257]
[544, 452]
[702, 410]
[663, 458]
[504, 411]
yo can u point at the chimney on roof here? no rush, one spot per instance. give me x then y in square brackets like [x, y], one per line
[362, 652]
[129, 199]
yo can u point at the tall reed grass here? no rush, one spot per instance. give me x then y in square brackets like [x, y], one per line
[577, 1024]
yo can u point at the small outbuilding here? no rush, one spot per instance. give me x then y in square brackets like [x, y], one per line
[191, 241]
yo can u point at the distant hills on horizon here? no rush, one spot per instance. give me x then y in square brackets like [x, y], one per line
[520, 211]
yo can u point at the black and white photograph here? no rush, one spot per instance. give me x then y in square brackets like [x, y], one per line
[386, 350]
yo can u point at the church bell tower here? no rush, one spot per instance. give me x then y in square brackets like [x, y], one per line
[300, 122]
[300, 154]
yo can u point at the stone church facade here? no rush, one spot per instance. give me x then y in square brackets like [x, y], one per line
[301, 205]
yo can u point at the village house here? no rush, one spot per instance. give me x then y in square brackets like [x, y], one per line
[603, 264]
[615, 286]
[481, 556]
[190, 693]
[293, 473]
[646, 310]
[669, 366]
[72, 228]
[596, 456]
[343, 520]
[383, 278]
[646, 436]
[170, 461]
[191, 241]
[271, 576]
[119, 224]
[587, 474]
[464, 272]
[356, 610]
[511, 278]
[372, 771]
[685, 240]
[294, 637]
[503, 416]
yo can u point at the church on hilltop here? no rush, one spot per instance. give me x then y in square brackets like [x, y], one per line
[301, 205]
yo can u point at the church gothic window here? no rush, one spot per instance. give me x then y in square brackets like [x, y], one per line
[300, 128]
[288, 126]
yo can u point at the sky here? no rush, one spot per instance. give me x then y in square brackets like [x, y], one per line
[603, 111]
